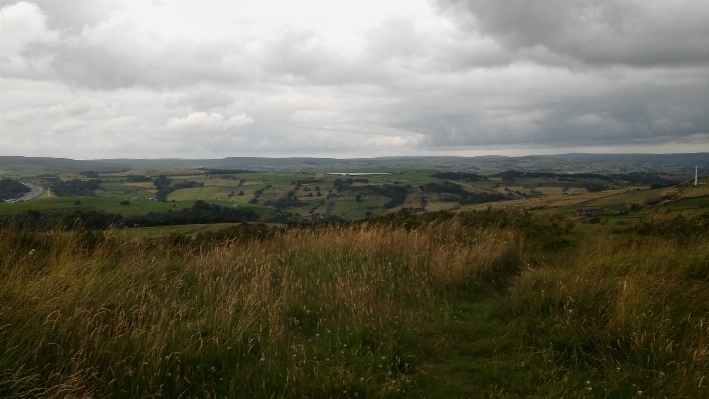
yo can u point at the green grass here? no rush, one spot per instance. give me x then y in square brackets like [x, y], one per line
[107, 204]
[210, 324]
[474, 305]
[193, 194]
[162, 231]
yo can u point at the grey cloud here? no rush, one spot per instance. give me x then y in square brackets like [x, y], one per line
[489, 114]
[174, 65]
[203, 98]
[72, 16]
[637, 33]
[110, 58]
[555, 74]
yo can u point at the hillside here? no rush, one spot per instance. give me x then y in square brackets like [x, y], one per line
[565, 163]
[483, 304]
[149, 197]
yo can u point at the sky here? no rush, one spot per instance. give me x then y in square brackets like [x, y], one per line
[214, 79]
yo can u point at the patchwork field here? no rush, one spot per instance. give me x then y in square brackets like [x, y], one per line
[290, 197]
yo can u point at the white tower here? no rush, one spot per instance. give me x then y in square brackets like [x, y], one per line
[696, 170]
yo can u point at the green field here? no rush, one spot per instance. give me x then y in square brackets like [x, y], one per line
[292, 196]
[106, 204]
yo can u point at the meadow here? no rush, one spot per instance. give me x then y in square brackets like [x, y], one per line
[316, 196]
[484, 304]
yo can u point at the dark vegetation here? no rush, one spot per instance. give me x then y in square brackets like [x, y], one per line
[201, 212]
[74, 187]
[225, 171]
[257, 194]
[11, 189]
[289, 201]
[669, 227]
[464, 197]
[306, 181]
[187, 184]
[461, 176]
[396, 194]
[643, 178]
[137, 179]
[162, 183]
[343, 184]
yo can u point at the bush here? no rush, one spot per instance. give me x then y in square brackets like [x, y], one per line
[75, 187]
[11, 189]
[135, 178]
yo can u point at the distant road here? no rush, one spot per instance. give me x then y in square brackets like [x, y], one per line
[35, 191]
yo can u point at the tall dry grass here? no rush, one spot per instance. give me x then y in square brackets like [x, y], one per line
[356, 311]
[333, 312]
[621, 316]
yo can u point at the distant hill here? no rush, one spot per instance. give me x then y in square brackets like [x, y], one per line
[32, 166]
[564, 163]
[700, 159]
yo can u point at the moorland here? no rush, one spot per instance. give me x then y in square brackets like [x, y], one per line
[201, 281]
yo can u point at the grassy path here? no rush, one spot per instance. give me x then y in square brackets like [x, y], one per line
[469, 357]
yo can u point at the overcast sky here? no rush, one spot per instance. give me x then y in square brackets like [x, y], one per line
[198, 79]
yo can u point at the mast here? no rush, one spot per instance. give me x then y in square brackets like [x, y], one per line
[696, 170]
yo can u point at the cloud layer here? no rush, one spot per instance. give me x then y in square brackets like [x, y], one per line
[192, 79]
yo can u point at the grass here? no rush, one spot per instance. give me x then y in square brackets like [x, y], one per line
[624, 321]
[308, 313]
[162, 231]
[193, 194]
[491, 304]
[107, 204]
